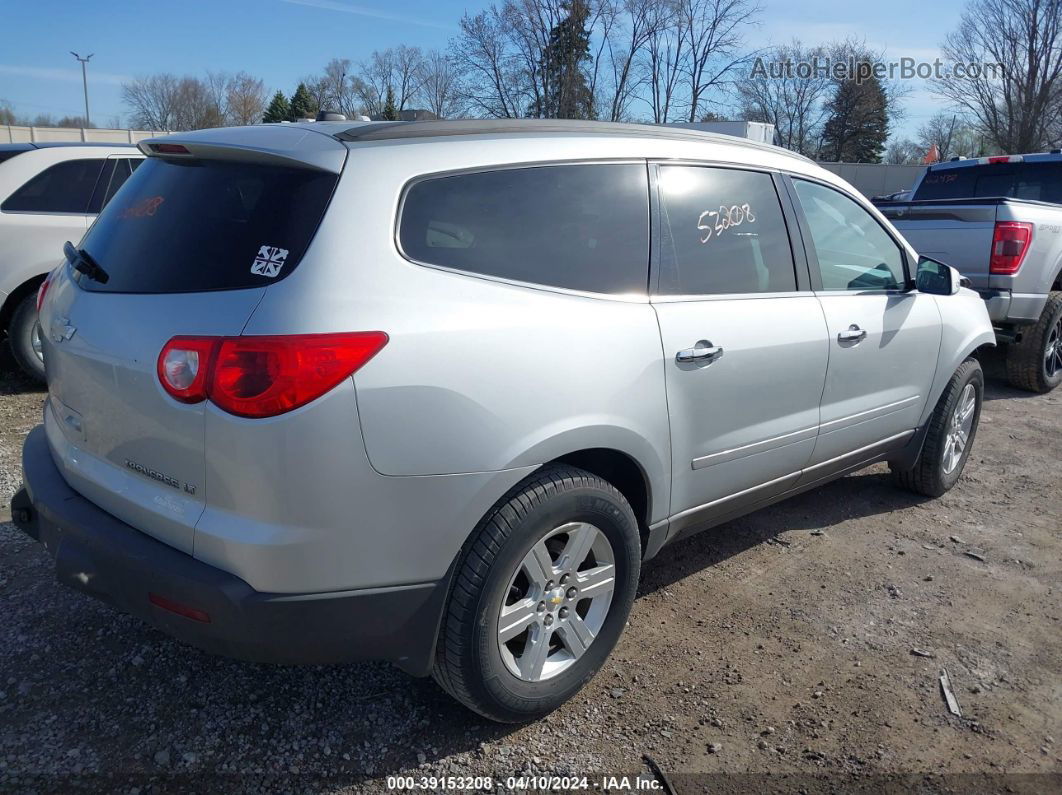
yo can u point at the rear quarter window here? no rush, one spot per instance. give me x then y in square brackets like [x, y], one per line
[61, 188]
[199, 225]
[1033, 181]
[580, 227]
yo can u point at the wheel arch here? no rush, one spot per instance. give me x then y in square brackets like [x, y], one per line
[15, 297]
[623, 472]
[639, 457]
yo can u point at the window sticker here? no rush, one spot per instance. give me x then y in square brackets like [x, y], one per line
[269, 261]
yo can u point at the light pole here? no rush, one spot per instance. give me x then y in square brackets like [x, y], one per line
[84, 82]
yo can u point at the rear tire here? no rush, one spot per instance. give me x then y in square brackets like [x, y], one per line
[23, 332]
[498, 613]
[1035, 363]
[942, 460]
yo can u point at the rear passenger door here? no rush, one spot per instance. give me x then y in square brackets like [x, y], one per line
[52, 206]
[744, 340]
[884, 337]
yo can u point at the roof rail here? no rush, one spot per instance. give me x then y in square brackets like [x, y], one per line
[399, 130]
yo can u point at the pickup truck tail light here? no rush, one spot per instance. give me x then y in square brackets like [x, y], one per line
[1010, 242]
[263, 376]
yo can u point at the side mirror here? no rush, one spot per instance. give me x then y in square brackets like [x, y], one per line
[936, 278]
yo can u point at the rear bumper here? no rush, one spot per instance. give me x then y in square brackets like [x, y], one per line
[96, 553]
[1014, 309]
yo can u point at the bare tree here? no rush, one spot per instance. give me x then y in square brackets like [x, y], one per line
[785, 90]
[153, 101]
[625, 30]
[438, 81]
[169, 102]
[1019, 109]
[397, 69]
[529, 23]
[490, 80]
[714, 33]
[665, 54]
[903, 152]
[942, 131]
[320, 88]
[245, 99]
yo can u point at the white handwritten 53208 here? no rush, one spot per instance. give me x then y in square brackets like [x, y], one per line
[714, 222]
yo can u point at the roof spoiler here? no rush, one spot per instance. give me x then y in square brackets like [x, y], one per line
[277, 145]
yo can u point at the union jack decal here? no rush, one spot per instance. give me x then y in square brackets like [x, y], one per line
[269, 261]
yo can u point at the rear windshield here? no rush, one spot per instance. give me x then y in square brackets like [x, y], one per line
[1034, 181]
[181, 226]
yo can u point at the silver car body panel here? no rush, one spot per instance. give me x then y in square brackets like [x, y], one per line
[383, 479]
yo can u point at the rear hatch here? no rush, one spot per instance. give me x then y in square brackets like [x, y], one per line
[188, 245]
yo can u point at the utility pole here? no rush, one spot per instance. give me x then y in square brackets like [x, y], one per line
[84, 82]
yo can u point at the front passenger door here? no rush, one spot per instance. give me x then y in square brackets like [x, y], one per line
[744, 347]
[884, 338]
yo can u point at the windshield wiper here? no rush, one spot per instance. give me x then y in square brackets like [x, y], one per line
[84, 263]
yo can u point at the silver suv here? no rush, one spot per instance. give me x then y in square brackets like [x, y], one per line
[432, 392]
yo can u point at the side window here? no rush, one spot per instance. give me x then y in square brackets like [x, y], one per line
[62, 188]
[853, 250]
[106, 177]
[122, 172]
[580, 227]
[722, 231]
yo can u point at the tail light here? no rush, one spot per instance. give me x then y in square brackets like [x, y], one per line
[183, 367]
[1010, 242]
[43, 289]
[265, 375]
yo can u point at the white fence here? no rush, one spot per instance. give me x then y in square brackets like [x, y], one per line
[12, 134]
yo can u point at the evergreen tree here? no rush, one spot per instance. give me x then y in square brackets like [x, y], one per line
[390, 112]
[303, 105]
[278, 110]
[563, 63]
[858, 123]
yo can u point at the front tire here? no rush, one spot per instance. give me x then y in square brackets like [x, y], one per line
[24, 334]
[950, 437]
[540, 596]
[1035, 363]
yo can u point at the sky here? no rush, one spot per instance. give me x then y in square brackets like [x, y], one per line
[282, 40]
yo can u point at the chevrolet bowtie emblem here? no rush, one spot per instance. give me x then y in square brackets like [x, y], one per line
[61, 329]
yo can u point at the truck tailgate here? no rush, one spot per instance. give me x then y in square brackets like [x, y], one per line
[958, 234]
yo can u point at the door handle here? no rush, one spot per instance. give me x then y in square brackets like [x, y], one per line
[852, 334]
[703, 351]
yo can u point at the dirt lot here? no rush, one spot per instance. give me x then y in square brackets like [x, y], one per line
[804, 642]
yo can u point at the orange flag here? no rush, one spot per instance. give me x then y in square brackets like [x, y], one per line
[932, 156]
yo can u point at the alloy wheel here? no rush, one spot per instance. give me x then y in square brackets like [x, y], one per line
[959, 428]
[557, 601]
[1053, 350]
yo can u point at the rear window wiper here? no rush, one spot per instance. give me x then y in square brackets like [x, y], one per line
[84, 263]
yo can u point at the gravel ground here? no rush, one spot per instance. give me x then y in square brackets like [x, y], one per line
[804, 642]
